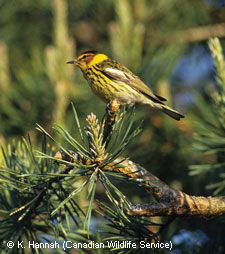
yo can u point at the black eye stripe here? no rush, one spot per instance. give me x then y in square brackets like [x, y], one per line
[83, 57]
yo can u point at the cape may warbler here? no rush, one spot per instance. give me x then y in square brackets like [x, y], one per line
[111, 80]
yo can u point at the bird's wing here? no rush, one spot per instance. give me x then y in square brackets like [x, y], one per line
[125, 75]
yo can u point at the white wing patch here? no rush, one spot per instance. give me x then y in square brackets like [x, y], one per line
[116, 73]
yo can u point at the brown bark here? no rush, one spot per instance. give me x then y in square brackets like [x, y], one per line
[170, 201]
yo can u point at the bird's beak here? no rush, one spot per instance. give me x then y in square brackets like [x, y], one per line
[71, 62]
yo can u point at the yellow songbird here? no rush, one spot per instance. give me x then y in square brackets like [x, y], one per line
[111, 80]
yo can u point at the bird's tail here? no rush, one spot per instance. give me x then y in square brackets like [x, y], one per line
[170, 112]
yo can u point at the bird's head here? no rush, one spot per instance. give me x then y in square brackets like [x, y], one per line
[87, 59]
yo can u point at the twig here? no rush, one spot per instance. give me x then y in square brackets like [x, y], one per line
[194, 34]
[39, 197]
[111, 111]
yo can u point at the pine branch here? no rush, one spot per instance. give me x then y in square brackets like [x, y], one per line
[170, 202]
[210, 125]
[39, 197]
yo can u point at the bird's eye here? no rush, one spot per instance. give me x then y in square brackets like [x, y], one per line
[84, 56]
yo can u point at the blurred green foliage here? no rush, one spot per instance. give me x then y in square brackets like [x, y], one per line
[211, 129]
[36, 86]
